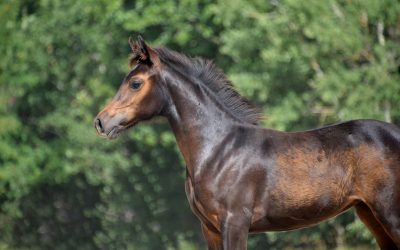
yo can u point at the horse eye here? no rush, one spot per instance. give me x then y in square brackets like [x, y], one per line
[136, 84]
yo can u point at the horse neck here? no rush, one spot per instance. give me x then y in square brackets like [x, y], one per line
[198, 119]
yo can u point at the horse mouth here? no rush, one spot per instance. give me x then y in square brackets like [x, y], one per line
[117, 130]
[114, 132]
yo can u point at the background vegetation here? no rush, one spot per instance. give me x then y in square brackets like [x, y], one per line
[61, 187]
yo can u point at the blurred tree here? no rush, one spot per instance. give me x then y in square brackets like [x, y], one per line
[61, 187]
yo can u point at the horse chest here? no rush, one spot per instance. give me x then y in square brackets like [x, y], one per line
[204, 207]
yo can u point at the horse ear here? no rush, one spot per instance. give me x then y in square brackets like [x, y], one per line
[142, 53]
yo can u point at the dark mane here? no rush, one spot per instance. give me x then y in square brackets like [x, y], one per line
[215, 80]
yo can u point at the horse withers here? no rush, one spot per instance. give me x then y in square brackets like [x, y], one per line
[242, 178]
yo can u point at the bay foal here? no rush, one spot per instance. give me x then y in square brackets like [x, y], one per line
[242, 178]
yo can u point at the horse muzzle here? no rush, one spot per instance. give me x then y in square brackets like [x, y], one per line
[108, 127]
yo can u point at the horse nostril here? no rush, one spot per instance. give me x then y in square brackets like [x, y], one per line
[99, 126]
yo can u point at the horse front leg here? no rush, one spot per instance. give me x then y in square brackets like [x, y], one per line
[213, 238]
[235, 229]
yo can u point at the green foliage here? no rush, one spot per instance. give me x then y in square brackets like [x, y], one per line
[62, 187]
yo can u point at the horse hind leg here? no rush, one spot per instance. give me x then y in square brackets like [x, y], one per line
[367, 217]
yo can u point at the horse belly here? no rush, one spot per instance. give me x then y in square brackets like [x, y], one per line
[304, 197]
[291, 213]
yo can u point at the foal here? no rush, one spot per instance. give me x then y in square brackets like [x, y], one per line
[243, 178]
